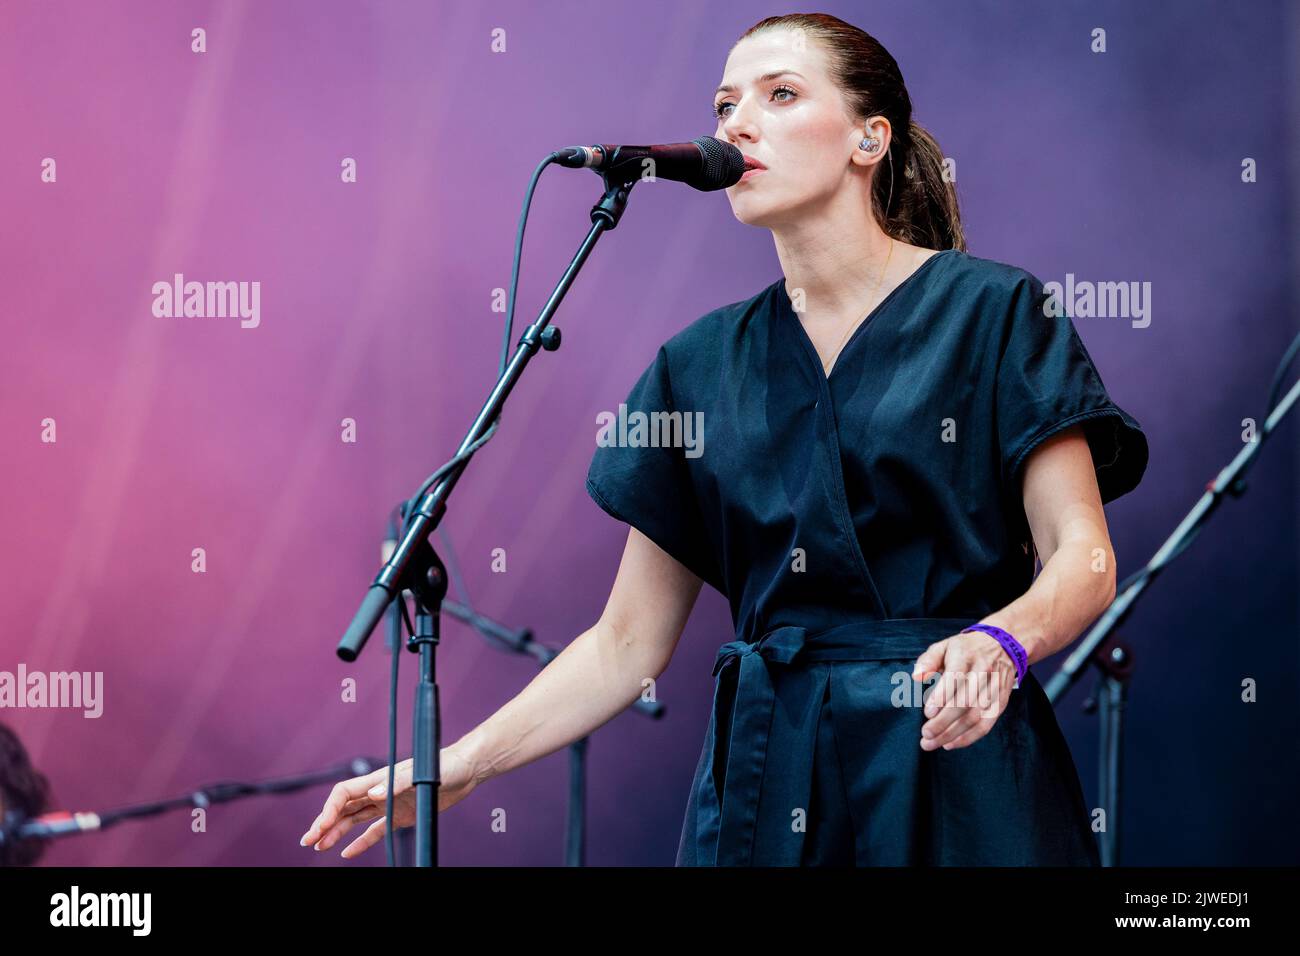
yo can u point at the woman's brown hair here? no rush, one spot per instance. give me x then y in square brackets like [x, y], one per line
[912, 199]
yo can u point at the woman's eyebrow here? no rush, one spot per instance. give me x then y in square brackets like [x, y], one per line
[762, 79]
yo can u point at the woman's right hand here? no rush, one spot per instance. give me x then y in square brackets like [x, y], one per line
[362, 799]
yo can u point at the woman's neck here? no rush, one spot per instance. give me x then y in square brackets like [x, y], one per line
[835, 258]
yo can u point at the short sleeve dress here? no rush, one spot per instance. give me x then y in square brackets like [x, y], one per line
[852, 520]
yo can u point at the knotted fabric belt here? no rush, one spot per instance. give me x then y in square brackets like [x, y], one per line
[752, 708]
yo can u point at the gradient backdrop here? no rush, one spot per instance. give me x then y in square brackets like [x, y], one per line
[376, 301]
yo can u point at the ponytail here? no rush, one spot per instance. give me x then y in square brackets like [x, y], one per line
[912, 197]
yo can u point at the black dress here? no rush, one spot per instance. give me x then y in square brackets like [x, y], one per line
[852, 520]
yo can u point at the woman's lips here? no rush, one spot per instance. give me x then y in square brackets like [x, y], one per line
[752, 168]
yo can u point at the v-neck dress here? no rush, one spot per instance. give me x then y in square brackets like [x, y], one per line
[851, 520]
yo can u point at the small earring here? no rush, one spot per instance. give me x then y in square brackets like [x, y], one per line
[870, 144]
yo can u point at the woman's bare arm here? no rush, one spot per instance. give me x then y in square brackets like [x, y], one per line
[1064, 510]
[594, 678]
[600, 673]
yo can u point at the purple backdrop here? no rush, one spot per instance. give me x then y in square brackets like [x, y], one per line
[376, 305]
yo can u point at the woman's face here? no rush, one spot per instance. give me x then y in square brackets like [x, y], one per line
[778, 103]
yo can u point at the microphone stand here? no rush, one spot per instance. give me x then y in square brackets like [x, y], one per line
[17, 826]
[1114, 659]
[415, 566]
[403, 839]
[521, 641]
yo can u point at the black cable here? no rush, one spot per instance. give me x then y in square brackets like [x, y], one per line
[408, 509]
[392, 736]
[389, 829]
[505, 340]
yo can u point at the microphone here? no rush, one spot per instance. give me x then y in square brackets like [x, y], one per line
[705, 163]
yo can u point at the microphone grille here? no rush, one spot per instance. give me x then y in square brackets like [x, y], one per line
[723, 164]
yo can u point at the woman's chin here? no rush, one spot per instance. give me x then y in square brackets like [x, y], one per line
[752, 213]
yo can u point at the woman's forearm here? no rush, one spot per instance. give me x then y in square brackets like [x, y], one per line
[596, 677]
[1073, 588]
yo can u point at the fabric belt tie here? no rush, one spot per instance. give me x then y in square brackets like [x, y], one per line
[754, 729]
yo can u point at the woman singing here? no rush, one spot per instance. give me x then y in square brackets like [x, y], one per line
[895, 431]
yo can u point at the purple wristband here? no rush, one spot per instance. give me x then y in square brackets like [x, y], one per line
[1009, 644]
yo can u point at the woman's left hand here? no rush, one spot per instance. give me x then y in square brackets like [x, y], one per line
[977, 676]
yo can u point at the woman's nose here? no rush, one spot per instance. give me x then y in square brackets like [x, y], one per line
[738, 124]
